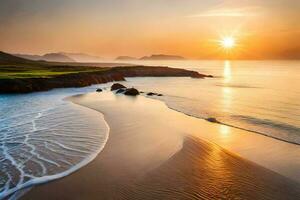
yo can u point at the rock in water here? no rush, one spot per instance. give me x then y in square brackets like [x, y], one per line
[99, 90]
[122, 90]
[154, 94]
[212, 119]
[132, 92]
[117, 86]
[151, 94]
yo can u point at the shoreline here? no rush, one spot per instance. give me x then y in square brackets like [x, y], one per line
[21, 189]
[106, 178]
[229, 125]
[82, 79]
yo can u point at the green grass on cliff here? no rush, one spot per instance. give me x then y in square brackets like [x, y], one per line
[41, 71]
[12, 67]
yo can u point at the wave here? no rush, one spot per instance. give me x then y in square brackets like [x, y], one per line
[42, 143]
[274, 129]
[291, 137]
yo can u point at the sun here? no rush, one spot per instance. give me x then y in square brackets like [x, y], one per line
[227, 42]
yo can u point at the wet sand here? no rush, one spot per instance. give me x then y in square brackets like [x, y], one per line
[156, 153]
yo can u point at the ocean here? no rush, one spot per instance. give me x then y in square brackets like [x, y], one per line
[259, 96]
[43, 137]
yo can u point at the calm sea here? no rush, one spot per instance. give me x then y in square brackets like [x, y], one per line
[259, 96]
[41, 135]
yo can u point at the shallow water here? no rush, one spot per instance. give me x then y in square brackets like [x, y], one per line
[43, 137]
[259, 96]
[128, 115]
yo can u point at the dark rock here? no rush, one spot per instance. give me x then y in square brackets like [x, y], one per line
[212, 119]
[25, 85]
[122, 90]
[210, 76]
[132, 92]
[151, 94]
[117, 86]
[99, 90]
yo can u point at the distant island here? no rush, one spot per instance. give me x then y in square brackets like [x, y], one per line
[162, 57]
[50, 57]
[62, 57]
[126, 58]
[83, 57]
[152, 57]
[20, 75]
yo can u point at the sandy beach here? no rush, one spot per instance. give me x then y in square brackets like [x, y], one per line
[157, 153]
[150, 100]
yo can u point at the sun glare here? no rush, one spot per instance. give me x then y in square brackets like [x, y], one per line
[228, 42]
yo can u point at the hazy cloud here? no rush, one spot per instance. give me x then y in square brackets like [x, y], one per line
[229, 12]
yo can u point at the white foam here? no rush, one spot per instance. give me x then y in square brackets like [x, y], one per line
[47, 144]
[44, 179]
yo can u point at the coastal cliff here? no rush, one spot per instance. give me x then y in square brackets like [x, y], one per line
[20, 75]
[82, 79]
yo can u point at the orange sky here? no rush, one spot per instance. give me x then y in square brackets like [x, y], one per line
[267, 29]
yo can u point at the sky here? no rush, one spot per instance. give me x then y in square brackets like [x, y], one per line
[262, 29]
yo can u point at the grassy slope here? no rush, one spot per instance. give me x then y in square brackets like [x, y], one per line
[18, 75]
[12, 67]
[41, 71]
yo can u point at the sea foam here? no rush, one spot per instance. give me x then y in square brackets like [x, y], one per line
[43, 138]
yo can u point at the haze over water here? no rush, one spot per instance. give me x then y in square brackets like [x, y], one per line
[260, 96]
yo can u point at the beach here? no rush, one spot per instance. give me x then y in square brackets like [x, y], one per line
[149, 100]
[154, 152]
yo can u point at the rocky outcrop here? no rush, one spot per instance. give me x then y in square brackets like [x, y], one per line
[212, 119]
[120, 91]
[25, 85]
[148, 71]
[131, 92]
[151, 94]
[117, 86]
[154, 94]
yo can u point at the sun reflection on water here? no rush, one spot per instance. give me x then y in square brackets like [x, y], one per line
[224, 130]
[227, 71]
[227, 91]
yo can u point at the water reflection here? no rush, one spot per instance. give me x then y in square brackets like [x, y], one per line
[227, 91]
[224, 130]
[227, 71]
